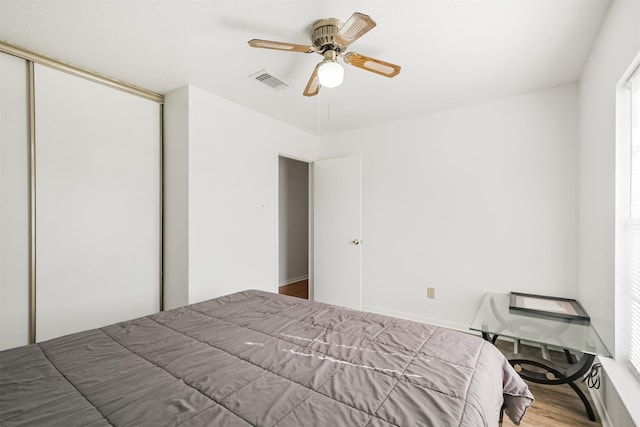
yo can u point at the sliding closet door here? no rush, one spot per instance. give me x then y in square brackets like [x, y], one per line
[14, 202]
[98, 204]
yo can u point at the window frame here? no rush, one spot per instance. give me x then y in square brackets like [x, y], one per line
[623, 215]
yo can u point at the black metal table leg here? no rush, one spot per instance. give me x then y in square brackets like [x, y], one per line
[488, 337]
[553, 376]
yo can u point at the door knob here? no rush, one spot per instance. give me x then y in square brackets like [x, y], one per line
[356, 242]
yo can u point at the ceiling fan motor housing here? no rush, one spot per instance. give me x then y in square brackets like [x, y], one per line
[323, 34]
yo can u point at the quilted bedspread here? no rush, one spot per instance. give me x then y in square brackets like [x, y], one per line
[261, 359]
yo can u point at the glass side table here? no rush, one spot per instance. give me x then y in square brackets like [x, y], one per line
[578, 340]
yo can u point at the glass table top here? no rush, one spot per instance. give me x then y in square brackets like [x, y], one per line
[494, 317]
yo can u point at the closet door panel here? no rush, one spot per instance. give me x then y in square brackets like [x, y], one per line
[98, 204]
[14, 202]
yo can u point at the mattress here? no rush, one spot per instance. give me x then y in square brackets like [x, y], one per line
[259, 359]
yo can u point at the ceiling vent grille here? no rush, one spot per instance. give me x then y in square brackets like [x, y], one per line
[269, 79]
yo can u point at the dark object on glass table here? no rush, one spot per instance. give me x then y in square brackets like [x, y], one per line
[564, 309]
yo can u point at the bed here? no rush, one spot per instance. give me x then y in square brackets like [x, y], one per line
[261, 359]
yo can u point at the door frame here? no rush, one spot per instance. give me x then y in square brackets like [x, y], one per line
[309, 162]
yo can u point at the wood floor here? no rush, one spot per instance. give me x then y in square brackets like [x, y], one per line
[298, 289]
[555, 406]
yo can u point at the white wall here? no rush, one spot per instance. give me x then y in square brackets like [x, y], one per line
[472, 200]
[232, 191]
[614, 50]
[293, 220]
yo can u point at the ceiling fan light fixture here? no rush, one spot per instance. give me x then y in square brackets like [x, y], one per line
[331, 38]
[330, 74]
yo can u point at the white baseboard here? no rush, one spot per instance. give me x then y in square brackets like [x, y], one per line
[293, 280]
[422, 319]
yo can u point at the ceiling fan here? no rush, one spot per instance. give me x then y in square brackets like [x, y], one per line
[331, 38]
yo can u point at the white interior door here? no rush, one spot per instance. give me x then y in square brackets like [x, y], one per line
[337, 232]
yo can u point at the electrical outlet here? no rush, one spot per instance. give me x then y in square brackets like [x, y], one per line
[431, 293]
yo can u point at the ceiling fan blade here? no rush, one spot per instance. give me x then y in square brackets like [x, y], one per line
[370, 64]
[355, 27]
[313, 85]
[292, 47]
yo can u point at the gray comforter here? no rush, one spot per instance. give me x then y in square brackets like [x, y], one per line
[255, 358]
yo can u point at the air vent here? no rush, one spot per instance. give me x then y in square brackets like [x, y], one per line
[269, 79]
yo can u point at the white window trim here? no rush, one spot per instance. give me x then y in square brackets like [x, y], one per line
[622, 212]
[634, 220]
[619, 370]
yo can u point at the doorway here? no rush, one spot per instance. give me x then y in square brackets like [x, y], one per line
[293, 227]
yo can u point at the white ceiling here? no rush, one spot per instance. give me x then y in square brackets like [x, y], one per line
[452, 52]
